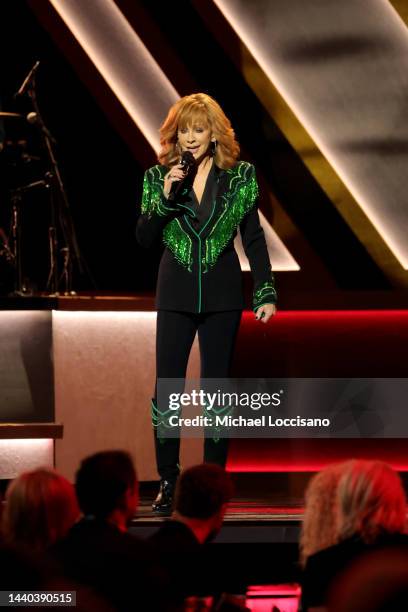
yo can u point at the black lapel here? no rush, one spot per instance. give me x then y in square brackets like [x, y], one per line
[219, 202]
[222, 182]
[220, 188]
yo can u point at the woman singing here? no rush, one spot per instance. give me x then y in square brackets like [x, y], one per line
[199, 287]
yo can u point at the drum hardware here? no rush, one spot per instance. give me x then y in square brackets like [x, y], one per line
[60, 209]
[20, 288]
[62, 241]
[5, 115]
[5, 250]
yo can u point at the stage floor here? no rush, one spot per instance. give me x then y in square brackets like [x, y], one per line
[246, 521]
[242, 510]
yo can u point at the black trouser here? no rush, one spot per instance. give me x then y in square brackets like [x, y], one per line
[217, 332]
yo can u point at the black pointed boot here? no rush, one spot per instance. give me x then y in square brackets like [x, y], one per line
[163, 504]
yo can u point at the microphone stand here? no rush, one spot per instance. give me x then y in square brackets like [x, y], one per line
[20, 288]
[60, 211]
[28, 80]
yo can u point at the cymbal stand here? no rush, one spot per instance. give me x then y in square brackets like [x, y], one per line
[19, 288]
[52, 280]
[16, 196]
[61, 213]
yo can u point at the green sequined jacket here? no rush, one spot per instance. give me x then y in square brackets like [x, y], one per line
[199, 270]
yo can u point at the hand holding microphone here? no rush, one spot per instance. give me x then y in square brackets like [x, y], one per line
[174, 179]
[176, 174]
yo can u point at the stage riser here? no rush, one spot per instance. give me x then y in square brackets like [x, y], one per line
[103, 368]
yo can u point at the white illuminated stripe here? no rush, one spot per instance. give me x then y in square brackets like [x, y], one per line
[279, 255]
[250, 23]
[137, 81]
[21, 455]
[100, 317]
[122, 59]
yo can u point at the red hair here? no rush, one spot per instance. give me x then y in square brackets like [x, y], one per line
[41, 507]
[371, 500]
[198, 109]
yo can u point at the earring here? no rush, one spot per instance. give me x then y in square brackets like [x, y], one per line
[213, 147]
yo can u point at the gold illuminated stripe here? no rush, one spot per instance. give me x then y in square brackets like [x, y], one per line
[369, 226]
[279, 255]
[320, 168]
[401, 7]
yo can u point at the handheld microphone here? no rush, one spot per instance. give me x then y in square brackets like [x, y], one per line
[188, 162]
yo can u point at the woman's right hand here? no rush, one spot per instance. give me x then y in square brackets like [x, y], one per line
[176, 173]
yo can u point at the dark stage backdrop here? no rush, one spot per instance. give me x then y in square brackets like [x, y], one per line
[102, 178]
[103, 170]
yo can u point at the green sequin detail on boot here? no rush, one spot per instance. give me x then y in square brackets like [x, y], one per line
[160, 419]
[214, 412]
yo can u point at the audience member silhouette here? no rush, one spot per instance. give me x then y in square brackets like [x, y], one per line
[318, 529]
[41, 506]
[201, 497]
[376, 582]
[98, 551]
[371, 515]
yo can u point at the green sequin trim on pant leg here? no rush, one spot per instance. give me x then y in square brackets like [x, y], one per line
[160, 420]
[212, 414]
